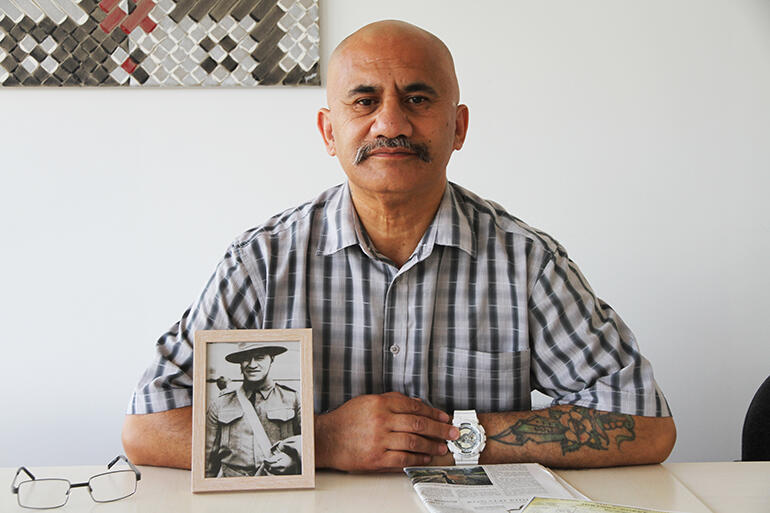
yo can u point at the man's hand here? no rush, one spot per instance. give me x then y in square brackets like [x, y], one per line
[381, 432]
[278, 463]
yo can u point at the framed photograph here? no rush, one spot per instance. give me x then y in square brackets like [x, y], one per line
[252, 410]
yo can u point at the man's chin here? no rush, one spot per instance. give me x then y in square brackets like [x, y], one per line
[393, 176]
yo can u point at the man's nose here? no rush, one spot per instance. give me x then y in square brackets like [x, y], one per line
[391, 120]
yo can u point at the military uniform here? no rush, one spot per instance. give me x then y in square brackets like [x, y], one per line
[232, 449]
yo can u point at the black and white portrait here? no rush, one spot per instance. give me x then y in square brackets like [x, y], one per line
[253, 409]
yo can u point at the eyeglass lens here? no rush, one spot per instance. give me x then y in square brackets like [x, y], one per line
[43, 493]
[112, 486]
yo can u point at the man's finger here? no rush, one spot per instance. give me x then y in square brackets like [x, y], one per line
[396, 460]
[415, 444]
[424, 426]
[400, 403]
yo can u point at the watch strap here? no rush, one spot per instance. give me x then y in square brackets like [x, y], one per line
[461, 416]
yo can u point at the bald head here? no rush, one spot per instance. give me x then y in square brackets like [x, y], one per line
[393, 117]
[379, 40]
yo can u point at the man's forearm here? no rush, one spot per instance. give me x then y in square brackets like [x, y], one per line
[574, 437]
[160, 439]
[562, 436]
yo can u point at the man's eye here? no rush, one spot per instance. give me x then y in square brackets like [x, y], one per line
[416, 100]
[365, 102]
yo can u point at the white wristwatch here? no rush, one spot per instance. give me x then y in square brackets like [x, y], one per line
[467, 448]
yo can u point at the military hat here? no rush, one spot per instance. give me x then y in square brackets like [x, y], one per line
[247, 349]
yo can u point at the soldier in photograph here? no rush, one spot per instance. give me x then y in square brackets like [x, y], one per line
[254, 429]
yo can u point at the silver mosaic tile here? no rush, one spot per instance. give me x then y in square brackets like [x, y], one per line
[159, 42]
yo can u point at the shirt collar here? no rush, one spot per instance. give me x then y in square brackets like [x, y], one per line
[264, 390]
[339, 223]
[451, 224]
[450, 227]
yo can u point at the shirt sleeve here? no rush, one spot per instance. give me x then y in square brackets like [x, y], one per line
[228, 301]
[582, 351]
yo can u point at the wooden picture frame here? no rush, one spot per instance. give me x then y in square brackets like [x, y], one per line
[247, 412]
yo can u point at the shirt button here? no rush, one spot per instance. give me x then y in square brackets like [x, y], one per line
[394, 349]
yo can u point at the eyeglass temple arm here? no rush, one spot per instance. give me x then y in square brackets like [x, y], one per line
[121, 457]
[14, 488]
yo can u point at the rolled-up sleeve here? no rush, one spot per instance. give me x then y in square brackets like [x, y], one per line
[583, 352]
[230, 300]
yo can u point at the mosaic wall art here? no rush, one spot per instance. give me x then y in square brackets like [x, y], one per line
[159, 42]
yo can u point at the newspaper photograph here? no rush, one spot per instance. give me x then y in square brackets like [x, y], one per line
[486, 488]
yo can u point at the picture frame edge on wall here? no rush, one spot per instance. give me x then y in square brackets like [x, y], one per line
[203, 338]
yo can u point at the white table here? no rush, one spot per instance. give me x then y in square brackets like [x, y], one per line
[684, 487]
[728, 486]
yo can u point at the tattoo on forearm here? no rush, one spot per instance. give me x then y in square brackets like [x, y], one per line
[573, 428]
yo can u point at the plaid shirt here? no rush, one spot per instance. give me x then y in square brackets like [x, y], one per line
[485, 310]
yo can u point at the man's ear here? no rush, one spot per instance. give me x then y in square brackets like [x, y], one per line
[325, 127]
[461, 126]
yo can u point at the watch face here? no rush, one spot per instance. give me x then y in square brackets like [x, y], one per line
[468, 440]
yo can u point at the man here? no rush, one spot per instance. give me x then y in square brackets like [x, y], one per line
[254, 430]
[423, 298]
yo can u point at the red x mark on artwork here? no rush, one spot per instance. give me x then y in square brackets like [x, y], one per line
[128, 22]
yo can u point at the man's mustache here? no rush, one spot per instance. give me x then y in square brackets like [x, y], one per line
[366, 149]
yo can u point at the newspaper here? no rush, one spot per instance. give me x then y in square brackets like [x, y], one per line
[540, 505]
[486, 488]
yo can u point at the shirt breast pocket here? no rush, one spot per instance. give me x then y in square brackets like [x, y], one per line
[484, 381]
[281, 423]
[280, 414]
[235, 447]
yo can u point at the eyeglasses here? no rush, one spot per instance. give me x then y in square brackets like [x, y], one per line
[52, 493]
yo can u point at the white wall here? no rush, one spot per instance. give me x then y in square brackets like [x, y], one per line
[637, 133]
